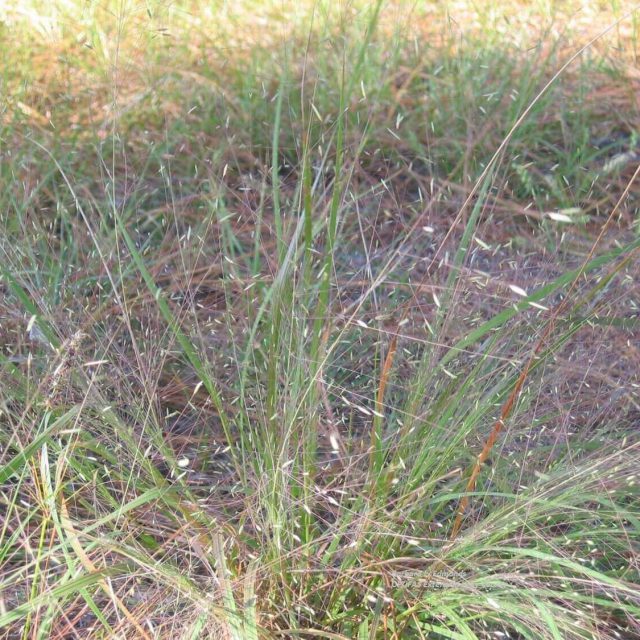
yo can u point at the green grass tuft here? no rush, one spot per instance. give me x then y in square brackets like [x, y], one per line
[319, 320]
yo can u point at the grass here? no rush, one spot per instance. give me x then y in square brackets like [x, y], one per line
[319, 320]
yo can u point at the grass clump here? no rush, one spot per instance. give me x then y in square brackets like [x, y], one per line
[319, 321]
